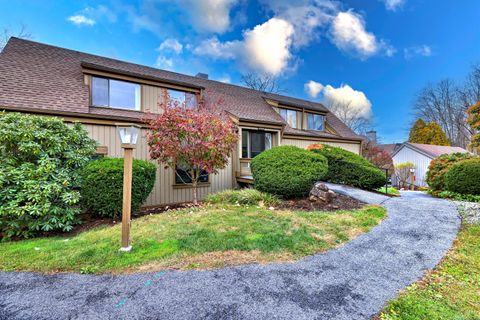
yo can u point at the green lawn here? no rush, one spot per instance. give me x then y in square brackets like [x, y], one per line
[205, 237]
[389, 191]
[451, 291]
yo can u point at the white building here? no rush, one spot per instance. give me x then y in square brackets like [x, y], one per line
[420, 155]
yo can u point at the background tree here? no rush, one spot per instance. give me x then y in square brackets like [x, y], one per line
[194, 139]
[403, 174]
[377, 156]
[262, 82]
[430, 133]
[22, 33]
[350, 116]
[474, 121]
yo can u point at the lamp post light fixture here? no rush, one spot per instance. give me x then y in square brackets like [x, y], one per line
[128, 134]
[412, 173]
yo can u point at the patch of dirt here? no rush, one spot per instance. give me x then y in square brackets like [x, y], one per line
[339, 202]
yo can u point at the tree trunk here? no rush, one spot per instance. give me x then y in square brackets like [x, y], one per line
[194, 186]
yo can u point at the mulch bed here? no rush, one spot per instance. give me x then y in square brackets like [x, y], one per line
[339, 202]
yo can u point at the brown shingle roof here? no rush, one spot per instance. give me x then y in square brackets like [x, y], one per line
[40, 76]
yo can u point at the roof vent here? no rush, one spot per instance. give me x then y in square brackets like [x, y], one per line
[202, 75]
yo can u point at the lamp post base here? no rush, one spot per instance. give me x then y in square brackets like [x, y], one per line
[126, 249]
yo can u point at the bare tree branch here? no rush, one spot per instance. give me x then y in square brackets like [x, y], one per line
[6, 33]
[262, 82]
[345, 112]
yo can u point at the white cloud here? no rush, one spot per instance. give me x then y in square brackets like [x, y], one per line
[348, 31]
[393, 5]
[423, 51]
[225, 78]
[212, 47]
[265, 48]
[171, 44]
[81, 20]
[313, 88]
[164, 63]
[209, 15]
[345, 95]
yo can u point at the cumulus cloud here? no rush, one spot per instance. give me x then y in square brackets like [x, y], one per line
[393, 5]
[266, 47]
[209, 15]
[80, 20]
[164, 63]
[350, 35]
[345, 95]
[313, 88]
[422, 51]
[171, 44]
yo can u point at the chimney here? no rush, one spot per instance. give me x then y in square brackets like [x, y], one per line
[202, 75]
[372, 136]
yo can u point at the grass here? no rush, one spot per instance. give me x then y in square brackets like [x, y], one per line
[451, 291]
[390, 191]
[204, 237]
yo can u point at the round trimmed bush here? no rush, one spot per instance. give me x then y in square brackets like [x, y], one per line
[346, 167]
[287, 171]
[438, 168]
[464, 177]
[102, 189]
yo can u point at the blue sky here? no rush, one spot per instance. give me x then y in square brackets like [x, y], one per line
[375, 53]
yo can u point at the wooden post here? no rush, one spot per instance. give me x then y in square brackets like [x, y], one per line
[127, 199]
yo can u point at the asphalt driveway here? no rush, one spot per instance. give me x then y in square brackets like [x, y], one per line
[351, 282]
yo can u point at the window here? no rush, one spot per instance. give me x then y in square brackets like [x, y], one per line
[255, 142]
[290, 116]
[115, 93]
[316, 122]
[182, 177]
[183, 98]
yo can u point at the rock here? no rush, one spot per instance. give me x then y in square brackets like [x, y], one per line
[320, 192]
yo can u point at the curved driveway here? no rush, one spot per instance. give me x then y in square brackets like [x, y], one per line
[351, 282]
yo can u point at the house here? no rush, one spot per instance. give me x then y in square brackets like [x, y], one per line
[99, 92]
[420, 155]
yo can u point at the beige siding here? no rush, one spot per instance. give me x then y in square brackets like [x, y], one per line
[151, 98]
[163, 191]
[420, 161]
[352, 147]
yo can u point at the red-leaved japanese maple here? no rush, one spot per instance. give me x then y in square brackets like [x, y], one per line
[196, 139]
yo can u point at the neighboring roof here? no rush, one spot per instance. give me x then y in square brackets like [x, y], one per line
[39, 76]
[430, 150]
[389, 148]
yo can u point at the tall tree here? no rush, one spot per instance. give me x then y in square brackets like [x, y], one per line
[350, 116]
[262, 82]
[430, 133]
[474, 121]
[415, 131]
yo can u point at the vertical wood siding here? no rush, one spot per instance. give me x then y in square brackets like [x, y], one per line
[420, 161]
[163, 191]
[352, 147]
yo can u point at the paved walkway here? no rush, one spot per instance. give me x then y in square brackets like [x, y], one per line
[351, 282]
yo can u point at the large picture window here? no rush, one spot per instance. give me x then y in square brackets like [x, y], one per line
[316, 122]
[290, 116]
[255, 142]
[183, 98]
[115, 93]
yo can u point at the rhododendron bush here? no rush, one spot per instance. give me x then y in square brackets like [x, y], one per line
[196, 139]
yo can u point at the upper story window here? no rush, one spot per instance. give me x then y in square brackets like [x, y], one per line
[115, 93]
[290, 116]
[183, 98]
[316, 122]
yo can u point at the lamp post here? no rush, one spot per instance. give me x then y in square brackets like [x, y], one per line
[412, 177]
[128, 134]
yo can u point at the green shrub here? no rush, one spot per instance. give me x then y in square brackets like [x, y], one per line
[346, 167]
[102, 190]
[438, 167]
[459, 196]
[287, 171]
[40, 162]
[247, 196]
[464, 177]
